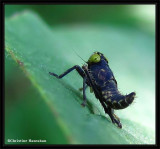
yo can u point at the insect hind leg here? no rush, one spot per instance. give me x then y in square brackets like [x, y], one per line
[115, 119]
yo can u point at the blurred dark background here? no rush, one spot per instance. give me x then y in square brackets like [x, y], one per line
[139, 16]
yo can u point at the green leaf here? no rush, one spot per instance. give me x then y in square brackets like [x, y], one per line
[39, 49]
[26, 113]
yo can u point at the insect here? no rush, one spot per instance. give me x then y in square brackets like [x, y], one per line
[97, 75]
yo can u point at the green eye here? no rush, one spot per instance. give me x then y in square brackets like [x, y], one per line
[95, 58]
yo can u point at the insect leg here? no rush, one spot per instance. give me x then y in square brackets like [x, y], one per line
[78, 68]
[111, 114]
[113, 117]
[84, 93]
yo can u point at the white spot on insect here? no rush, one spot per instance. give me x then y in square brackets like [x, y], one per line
[120, 101]
[109, 100]
[119, 104]
[103, 92]
[105, 97]
[126, 100]
[114, 102]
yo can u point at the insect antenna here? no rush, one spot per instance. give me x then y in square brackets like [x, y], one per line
[80, 56]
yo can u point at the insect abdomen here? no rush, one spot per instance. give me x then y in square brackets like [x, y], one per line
[118, 101]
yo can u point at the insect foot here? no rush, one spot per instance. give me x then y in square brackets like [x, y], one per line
[83, 104]
[116, 121]
[53, 74]
[119, 125]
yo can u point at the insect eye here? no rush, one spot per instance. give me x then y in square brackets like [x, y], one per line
[95, 58]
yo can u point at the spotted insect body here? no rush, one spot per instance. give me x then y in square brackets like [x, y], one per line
[99, 77]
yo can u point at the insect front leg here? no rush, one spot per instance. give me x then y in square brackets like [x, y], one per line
[78, 68]
[84, 93]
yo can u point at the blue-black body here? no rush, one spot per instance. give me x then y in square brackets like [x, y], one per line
[106, 84]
